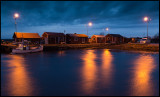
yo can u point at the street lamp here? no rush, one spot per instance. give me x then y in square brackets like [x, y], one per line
[89, 24]
[106, 30]
[16, 15]
[147, 19]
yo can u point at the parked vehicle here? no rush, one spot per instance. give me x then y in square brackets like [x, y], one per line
[145, 40]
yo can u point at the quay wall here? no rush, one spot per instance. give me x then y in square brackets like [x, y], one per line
[127, 46]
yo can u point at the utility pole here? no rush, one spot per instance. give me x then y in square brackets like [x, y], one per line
[65, 36]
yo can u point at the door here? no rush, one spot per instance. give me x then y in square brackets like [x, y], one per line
[46, 40]
[83, 40]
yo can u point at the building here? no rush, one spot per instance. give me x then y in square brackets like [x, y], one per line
[53, 37]
[76, 38]
[135, 39]
[98, 39]
[32, 37]
[114, 38]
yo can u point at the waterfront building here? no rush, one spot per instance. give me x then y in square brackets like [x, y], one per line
[98, 39]
[32, 37]
[114, 38]
[76, 38]
[135, 39]
[53, 37]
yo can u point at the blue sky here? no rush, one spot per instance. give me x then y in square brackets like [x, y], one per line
[121, 17]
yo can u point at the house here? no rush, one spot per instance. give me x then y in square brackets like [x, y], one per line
[114, 38]
[76, 38]
[53, 37]
[126, 40]
[98, 39]
[32, 37]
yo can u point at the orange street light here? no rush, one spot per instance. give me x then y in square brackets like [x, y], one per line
[16, 15]
[147, 19]
[107, 29]
[89, 24]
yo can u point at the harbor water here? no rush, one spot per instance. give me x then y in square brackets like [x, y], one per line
[87, 72]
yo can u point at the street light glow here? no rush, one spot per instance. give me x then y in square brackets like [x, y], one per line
[90, 23]
[16, 15]
[147, 19]
[107, 29]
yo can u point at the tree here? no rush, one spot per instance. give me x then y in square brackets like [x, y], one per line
[156, 36]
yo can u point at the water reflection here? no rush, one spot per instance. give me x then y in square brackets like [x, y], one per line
[89, 71]
[142, 83]
[61, 53]
[19, 83]
[107, 68]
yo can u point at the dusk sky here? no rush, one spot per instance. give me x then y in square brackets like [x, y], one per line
[121, 17]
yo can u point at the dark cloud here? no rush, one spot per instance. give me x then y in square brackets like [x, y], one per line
[43, 13]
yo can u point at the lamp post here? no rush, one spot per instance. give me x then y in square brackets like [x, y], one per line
[147, 19]
[16, 15]
[107, 29]
[105, 37]
[89, 24]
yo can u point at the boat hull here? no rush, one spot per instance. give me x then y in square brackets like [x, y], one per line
[18, 51]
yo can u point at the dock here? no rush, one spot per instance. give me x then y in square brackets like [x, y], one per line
[7, 48]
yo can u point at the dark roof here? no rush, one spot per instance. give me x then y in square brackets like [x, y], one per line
[115, 35]
[55, 33]
[77, 35]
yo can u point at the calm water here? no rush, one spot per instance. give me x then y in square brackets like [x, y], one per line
[80, 72]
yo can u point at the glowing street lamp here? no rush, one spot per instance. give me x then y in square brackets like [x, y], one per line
[147, 19]
[89, 24]
[16, 15]
[107, 29]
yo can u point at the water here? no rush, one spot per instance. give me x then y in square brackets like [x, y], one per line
[80, 73]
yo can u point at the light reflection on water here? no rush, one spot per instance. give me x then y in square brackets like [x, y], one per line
[90, 74]
[20, 83]
[94, 70]
[89, 71]
[107, 68]
[142, 80]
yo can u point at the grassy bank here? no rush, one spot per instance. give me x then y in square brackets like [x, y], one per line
[134, 47]
[128, 47]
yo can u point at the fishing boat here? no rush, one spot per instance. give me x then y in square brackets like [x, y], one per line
[25, 48]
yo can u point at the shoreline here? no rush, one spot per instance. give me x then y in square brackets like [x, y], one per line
[124, 47]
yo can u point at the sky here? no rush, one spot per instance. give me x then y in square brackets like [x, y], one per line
[121, 17]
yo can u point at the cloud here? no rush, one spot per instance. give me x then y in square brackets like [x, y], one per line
[46, 13]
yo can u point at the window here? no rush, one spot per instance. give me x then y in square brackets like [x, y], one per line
[75, 38]
[108, 38]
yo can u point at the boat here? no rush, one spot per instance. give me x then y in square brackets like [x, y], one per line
[25, 48]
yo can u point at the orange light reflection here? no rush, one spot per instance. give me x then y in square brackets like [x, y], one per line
[89, 71]
[19, 80]
[107, 67]
[142, 83]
